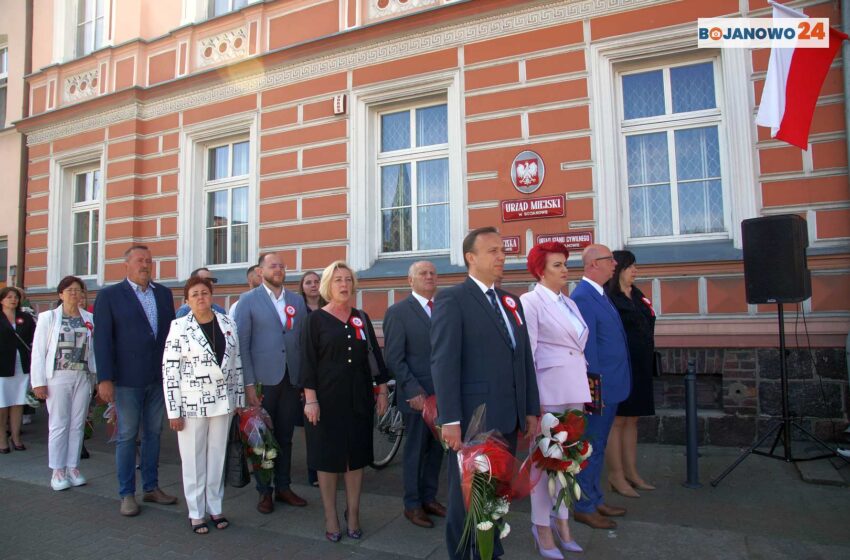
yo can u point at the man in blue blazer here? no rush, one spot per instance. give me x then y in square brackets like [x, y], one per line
[268, 321]
[132, 320]
[407, 351]
[607, 354]
[480, 354]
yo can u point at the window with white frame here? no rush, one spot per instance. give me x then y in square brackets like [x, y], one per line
[4, 78]
[4, 61]
[91, 15]
[671, 137]
[4, 258]
[221, 7]
[226, 199]
[413, 175]
[85, 222]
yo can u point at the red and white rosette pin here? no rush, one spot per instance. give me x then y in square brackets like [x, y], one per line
[19, 321]
[89, 326]
[510, 303]
[357, 323]
[648, 303]
[290, 315]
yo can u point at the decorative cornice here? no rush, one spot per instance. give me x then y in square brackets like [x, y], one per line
[224, 46]
[82, 85]
[383, 9]
[536, 17]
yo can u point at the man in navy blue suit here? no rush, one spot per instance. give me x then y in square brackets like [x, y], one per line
[480, 354]
[607, 354]
[407, 351]
[132, 320]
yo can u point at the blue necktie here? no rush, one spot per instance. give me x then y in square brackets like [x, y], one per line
[499, 317]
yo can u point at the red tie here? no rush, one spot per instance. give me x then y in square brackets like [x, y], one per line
[430, 306]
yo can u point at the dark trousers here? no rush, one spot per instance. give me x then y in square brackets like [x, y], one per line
[457, 511]
[423, 456]
[598, 428]
[283, 403]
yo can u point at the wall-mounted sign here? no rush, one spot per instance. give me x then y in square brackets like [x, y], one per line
[533, 208]
[511, 243]
[340, 105]
[573, 239]
[527, 172]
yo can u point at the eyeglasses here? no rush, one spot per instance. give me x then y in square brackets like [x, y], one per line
[604, 258]
[72, 291]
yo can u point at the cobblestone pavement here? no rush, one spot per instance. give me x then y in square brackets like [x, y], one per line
[763, 510]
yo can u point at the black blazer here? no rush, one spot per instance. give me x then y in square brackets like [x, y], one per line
[9, 343]
[472, 362]
[407, 350]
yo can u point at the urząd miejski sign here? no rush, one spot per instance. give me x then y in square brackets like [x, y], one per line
[533, 208]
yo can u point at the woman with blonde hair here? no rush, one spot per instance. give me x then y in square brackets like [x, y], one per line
[339, 377]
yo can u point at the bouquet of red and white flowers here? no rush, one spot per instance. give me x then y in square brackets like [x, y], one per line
[561, 452]
[429, 415]
[489, 480]
[261, 447]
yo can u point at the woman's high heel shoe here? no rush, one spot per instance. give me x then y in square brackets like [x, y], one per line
[642, 485]
[569, 546]
[626, 491]
[553, 553]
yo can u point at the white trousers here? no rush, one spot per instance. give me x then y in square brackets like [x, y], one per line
[68, 397]
[541, 501]
[202, 443]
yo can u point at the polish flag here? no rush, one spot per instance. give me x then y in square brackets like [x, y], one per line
[793, 83]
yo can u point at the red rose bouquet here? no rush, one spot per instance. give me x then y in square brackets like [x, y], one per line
[561, 452]
[429, 415]
[261, 448]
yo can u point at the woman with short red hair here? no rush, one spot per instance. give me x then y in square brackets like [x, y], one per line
[558, 334]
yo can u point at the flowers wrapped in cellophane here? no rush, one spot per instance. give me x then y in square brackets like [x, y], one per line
[490, 478]
[561, 451]
[429, 416]
[261, 448]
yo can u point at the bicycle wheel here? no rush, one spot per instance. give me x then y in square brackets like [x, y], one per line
[387, 433]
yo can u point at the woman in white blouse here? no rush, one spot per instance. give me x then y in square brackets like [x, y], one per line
[202, 380]
[62, 369]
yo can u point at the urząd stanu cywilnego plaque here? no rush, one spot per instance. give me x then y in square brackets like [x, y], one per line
[527, 172]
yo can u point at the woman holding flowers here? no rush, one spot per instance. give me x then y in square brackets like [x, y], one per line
[339, 400]
[202, 381]
[62, 370]
[558, 334]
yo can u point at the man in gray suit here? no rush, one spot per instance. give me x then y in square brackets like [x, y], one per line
[268, 320]
[480, 354]
[407, 350]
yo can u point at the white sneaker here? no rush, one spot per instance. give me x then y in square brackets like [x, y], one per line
[59, 482]
[76, 477]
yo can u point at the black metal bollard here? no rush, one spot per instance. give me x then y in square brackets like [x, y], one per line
[691, 426]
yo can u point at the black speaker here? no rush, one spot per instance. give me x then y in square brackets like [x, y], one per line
[775, 269]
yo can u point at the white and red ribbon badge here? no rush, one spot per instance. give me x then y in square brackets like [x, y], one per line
[357, 323]
[648, 303]
[510, 303]
[290, 315]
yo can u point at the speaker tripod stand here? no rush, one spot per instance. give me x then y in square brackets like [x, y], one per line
[781, 430]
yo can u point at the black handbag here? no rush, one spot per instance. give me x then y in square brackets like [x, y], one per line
[236, 472]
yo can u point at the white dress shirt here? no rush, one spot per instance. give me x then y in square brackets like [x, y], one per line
[423, 301]
[560, 300]
[596, 286]
[508, 320]
[279, 303]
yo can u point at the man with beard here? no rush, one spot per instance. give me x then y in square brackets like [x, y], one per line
[267, 321]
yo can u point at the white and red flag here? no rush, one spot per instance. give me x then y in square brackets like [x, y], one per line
[794, 80]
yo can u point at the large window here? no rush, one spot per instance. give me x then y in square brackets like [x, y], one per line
[220, 7]
[90, 25]
[85, 222]
[4, 78]
[226, 202]
[413, 165]
[670, 127]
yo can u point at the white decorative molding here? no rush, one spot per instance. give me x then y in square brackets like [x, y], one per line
[535, 17]
[224, 46]
[71, 127]
[381, 9]
[82, 85]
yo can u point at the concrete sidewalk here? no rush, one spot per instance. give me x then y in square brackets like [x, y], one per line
[762, 510]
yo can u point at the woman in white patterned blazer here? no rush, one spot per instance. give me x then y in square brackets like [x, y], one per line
[202, 380]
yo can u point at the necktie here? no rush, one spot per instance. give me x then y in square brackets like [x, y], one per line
[499, 318]
[430, 308]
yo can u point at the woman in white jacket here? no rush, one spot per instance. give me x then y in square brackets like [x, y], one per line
[202, 381]
[61, 372]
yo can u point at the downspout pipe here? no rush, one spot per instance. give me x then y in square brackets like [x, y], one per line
[25, 153]
[845, 62]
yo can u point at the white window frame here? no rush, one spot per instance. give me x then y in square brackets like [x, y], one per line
[81, 25]
[4, 61]
[88, 206]
[367, 104]
[669, 123]
[665, 47]
[195, 143]
[195, 11]
[229, 184]
[65, 29]
[60, 225]
[410, 155]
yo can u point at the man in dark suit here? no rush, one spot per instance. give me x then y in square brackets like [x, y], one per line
[480, 354]
[132, 320]
[268, 321]
[607, 354]
[407, 350]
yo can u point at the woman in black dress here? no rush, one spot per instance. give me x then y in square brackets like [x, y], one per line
[639, 322]
[17, 328]
[339, 399]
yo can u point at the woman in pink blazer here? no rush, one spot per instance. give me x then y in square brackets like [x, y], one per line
[558, 335]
